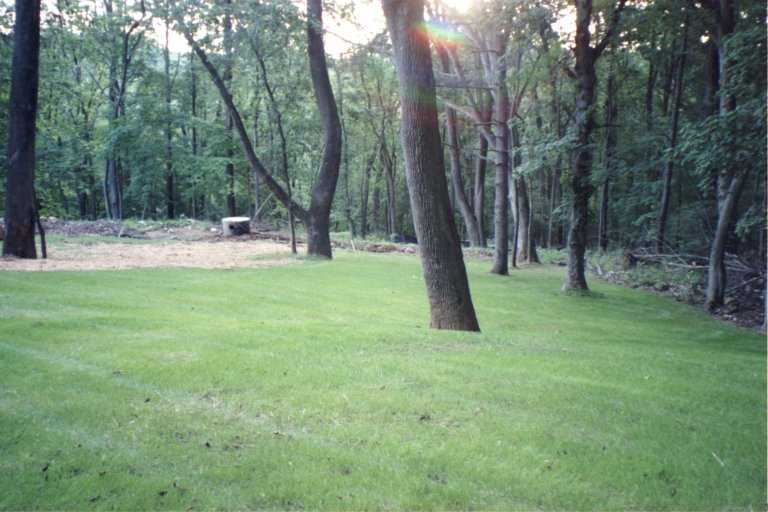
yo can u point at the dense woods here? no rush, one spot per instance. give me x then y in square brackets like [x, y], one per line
[564, 125]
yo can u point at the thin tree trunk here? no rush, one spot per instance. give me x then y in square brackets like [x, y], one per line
[255, 185]
[170, 199]
[460, 195]
[501, 136]
[365, 181]
[669, 167]
[452, 137]
[20, 208]
[441, 257]
[345, 159]
[478, 203]
[229, 168]
[525, 245]
[611, 134]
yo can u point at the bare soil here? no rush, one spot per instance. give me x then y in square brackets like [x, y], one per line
[111, 256]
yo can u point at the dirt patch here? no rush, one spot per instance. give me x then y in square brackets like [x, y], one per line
[113, 256]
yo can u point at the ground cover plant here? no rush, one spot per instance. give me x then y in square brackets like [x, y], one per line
[319, 385]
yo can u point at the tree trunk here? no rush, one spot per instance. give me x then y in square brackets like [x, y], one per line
[365, 181]
[452, 136]
[525, 245]
[318, 235]
[20, 208]
[170, 199]
[345, 160]
[470, 221]
[669, 167]
[581, 168]
[501, 137]
[193, 106]
[609, 157]
[442, 261]
[385, 158]
[229, 168]
[729, 179]
[478, 203]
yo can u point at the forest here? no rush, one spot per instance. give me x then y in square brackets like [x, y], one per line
[653, 139]
[555, 153]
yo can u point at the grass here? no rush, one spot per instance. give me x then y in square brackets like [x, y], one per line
[319, 385]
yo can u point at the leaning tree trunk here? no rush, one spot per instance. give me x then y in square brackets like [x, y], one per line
[470, 221]
[318, 226]
[452, 134]
[442, 261]
[20, 208]
[729, 179]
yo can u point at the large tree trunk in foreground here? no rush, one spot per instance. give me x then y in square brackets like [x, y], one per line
[20, 208]
[318, 236]
[442, 261]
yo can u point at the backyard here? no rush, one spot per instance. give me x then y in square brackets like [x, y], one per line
[317, 384]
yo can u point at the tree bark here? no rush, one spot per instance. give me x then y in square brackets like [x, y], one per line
[365, 181]
[345, 160]
[170, 199]
[20, 208]
[442, 260]
[478, 203]
[316, 219]
[229, 168]
[452, 136]
[729, 179]
[611, 135]
[318, 236]
[525, 244]
[666, 193]
[193, 116]
[501, 138]
[581, 167]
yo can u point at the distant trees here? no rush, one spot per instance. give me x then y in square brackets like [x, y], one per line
[441, 258]
[316, 218]
[20, 208]
[675, 162]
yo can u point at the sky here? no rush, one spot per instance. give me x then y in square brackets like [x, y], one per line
[341, 35]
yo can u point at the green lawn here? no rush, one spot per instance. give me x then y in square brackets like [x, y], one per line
[319, 385]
